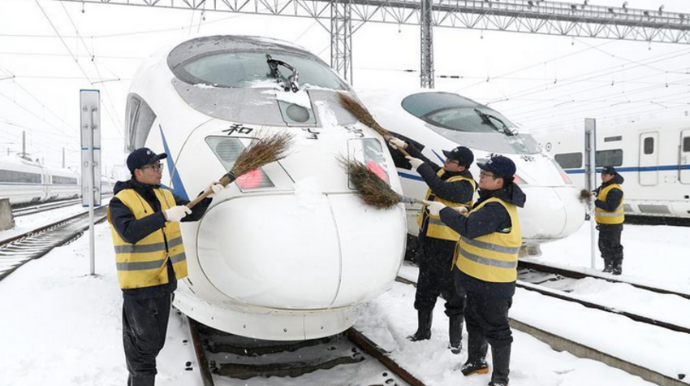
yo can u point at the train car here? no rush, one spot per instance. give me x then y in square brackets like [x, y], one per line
[62, 184]
[652, 156]
[24, 181]
[289, 251]
[437, 121]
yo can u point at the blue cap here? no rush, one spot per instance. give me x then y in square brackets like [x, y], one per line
[500, 166]
[142, 157]
[463, 155]
[608, 170]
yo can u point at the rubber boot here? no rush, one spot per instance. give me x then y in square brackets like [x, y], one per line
[476, 354]
[608, 266]
[501, 361]
[617, 269]
[424, 319]
[455, 333]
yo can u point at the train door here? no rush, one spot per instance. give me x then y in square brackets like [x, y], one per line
[649, 158]
[684, 161]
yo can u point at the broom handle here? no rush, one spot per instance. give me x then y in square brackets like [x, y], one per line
[410, 200]
[225, 181]
[405, 153]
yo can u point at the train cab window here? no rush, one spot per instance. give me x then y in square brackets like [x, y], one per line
[648, 145]
[139, 119]
[569, 160]
[609, 157]
[458, 118]
[451, 111]
[251, 69]
[686, 144]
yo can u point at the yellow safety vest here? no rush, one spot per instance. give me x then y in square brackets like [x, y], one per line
[493, 257]
[605, 217]
[143, 264]
[437, 229]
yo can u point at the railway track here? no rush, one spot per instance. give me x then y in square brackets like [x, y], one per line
[560, 343]
[236, 358]
[33, 209]
[18, 250]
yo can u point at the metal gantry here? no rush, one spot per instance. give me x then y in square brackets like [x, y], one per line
[426, 68]
[341, 38]
[526, 16]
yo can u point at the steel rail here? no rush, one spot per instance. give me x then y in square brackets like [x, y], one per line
[581, 275]
[18, 250]
[560, 343]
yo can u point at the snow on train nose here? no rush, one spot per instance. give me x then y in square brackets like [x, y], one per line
[551, 213]
[291, 252]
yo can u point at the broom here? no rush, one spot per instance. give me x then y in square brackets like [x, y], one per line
[585, 196]
[259, 153]
[371, 188]
[362, 114]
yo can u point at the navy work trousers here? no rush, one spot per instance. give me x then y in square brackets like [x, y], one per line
[144, 327]
[436, 278]
[610, 244]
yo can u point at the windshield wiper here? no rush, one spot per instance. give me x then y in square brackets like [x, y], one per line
[292, 81]
[486, 118]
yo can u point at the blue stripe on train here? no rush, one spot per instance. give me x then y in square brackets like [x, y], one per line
[176, 180]
[636, 169]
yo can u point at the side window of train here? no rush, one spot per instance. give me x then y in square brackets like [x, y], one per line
[19, 177]
[569, 160]
[139, 120]
[612, 157]
[686, 145]
[648, 145]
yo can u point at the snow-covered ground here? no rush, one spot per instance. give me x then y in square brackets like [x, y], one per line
[60, 326]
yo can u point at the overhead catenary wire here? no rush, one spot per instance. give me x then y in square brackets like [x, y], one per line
[574, 79]
[93, 61]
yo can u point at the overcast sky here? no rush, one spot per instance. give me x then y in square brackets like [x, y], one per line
[542, 82]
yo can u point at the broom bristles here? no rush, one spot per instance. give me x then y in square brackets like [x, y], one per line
[370, 187]
[585, 195]
[361, 113]
[261, 152]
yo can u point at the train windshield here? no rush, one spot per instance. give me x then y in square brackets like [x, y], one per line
[459, 118]
[251, 69]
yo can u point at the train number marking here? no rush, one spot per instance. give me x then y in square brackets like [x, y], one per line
[357, 132]
[311, 133]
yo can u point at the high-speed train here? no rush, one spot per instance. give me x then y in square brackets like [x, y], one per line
[24, 181]
[438, 121]
[652, 156]
[289, 252]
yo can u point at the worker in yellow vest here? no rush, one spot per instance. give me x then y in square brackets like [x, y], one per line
[144, 219]
[610, 217]
[486, 259]
[454, 186]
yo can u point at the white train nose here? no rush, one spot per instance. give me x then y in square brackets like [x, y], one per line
[551, 213]
[279, 252]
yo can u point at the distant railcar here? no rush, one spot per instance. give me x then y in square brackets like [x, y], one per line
[24, 181]
[652, 156]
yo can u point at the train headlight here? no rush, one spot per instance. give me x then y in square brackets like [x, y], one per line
[369, 152]
[227, 150]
